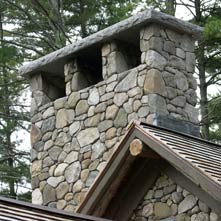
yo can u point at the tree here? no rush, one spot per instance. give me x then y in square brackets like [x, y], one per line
[13, 163]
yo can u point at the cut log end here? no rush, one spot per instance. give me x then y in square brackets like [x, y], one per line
[136, 147]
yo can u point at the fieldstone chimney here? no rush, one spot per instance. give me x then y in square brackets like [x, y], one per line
[85, 94]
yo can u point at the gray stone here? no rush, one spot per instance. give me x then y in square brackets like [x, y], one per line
[177, 63]
[173, 36]
[54, 181]
[169, 189]
[169, 47]
[179, 101]
[100, 107]
[82, 107]
[78, 186]
[143, 111]
[48, 145]
[176, 197]
[128, 82]
[107, 96]
[36, 167]
[48, 113]
[62, 138]
[60, 103]
[55, 152]
[61, 190]
[188, 203]
[74, 127]
[71, 157]
[136, 105]
[121, 119]
[59, 171]
[191, 97]
[116, 63]
[155, 60]
[120, 98]
[35, 134]
[180, 53]
[154, 83]
[64, 117]
[169, 79]
[105, 50]
[149, 195]
[91, 178]
[187, 43]
[158, 194]
[182, 217]
[92, 121]
[110, 87]
[48, 125]
[192, 113]
[73, 99]
[147, 210]
[128, 106]
[47, 162]
[33, 154]
[93, 97]
[72, 172]
[105, 125]
[87, 136]
[203, 207]
[213, 216]
[161, 210]
[37, 197]
[49, 194]
[200, 217]
[181, 81]
[97, 150]
[171, 92]
[190, 62]
[111, 112]
[157, 104]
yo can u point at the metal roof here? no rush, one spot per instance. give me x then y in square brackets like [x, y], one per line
[13, 210]
[201, 154]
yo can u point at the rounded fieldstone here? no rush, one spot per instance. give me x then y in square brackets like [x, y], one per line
[161, 210]
[88, 136]
[61, 190]
[97, 150]
[188, 203]
[71, 157]
[121, 119]
[72, 172]
[93, 97]
[60, 169]
[49, 194]
[54, 181]
[37, 197]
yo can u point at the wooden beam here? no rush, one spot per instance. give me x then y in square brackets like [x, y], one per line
[139, 149]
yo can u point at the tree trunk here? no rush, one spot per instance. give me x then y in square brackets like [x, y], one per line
[7, 113]
[202, 76]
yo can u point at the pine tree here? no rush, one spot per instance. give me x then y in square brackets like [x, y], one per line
[14, 168]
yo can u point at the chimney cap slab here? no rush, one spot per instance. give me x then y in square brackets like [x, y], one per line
[126, 30]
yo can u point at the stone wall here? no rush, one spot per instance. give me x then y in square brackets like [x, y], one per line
[73, 136]
[167, 201]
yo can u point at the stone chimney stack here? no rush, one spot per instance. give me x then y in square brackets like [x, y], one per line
[84, 96]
